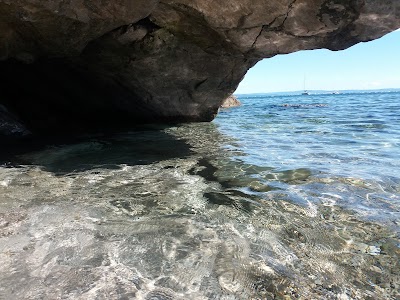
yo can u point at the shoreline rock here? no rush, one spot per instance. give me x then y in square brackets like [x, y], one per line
[231, 101]
[10, 125]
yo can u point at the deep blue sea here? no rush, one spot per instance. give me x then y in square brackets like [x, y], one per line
[284, 197]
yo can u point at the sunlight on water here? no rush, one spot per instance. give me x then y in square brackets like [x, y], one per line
[277, 199]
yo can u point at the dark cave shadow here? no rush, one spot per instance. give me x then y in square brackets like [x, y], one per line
[64, 155]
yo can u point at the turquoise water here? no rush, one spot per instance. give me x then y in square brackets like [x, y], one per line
[285, 197]
[351, 137]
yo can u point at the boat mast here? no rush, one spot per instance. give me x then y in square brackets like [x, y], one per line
[304, 86]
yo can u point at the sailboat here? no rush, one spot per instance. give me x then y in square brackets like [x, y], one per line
[305, 92]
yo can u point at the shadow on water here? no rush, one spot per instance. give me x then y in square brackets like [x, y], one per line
[141, 147]
[146, 145]
[230, 195]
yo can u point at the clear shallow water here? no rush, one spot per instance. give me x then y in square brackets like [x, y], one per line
[282, 198]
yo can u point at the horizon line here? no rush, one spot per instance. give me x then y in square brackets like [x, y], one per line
[298, 91]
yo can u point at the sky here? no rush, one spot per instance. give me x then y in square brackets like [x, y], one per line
[372, 65]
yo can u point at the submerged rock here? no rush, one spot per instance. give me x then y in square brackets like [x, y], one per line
[79, 65]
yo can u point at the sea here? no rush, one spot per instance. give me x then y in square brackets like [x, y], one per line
[284, 197]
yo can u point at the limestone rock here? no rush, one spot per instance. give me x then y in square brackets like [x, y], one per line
[78, 65]
[231, 101]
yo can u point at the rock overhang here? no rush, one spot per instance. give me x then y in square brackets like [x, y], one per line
[89, 65]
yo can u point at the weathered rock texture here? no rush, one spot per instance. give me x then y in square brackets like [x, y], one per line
[80, 64]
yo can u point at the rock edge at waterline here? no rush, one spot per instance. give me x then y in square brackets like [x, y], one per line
[231, 101]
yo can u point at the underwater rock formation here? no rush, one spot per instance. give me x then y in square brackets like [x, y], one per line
[72, 66]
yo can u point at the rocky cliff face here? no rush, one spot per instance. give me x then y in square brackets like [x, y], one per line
[84, 64]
